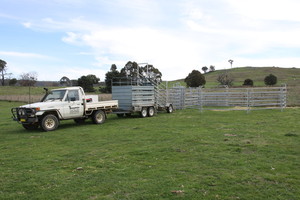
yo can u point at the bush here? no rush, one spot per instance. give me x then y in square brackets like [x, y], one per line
[248, 82]
[195, 79]
[225, 79]
[270, 80]
[13, 82]
[87, 82]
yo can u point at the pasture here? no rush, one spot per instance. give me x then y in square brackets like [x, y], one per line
[183, 155]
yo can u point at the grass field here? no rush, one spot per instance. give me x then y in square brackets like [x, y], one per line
[184, 155]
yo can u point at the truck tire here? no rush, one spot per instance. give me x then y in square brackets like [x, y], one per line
[98, 117]
[144, 113]
[151, 111]
[31, 126]
[49, 122]
[170, 109]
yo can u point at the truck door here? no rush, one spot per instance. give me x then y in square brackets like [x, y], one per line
[74, 108]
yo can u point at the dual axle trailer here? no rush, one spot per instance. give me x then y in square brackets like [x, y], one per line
[143, 98]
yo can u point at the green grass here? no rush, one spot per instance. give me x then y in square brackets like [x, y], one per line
[184, 155]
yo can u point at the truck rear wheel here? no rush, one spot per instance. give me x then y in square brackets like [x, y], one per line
[151, 111]
[98, 117]
[49, 122]
[144, 112]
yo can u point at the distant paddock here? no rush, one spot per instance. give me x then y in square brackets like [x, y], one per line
[36, 98]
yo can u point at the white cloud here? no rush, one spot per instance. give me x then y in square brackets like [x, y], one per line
[268, 9]
[23, 54]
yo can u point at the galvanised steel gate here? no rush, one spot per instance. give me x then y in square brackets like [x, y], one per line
[229, 98]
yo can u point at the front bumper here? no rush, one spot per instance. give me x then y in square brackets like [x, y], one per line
[24, 115]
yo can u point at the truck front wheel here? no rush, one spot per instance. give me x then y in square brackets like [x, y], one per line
[49, 122]
[98, 117]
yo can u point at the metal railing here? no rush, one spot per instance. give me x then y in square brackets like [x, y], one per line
[229, 98]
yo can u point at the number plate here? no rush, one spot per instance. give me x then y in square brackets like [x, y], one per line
[22, 120]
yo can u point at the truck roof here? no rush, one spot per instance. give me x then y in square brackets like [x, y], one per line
[69, 88]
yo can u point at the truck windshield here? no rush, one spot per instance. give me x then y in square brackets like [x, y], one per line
[55, 95]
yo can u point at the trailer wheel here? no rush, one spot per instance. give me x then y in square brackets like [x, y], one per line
[31, 126]
[49, 122]
[151, 111]
[170, 109]
[98, 117]
[144, 112]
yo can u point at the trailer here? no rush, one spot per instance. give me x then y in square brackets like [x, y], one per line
[139, 96]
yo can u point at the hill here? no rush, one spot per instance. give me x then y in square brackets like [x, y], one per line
[289, 76]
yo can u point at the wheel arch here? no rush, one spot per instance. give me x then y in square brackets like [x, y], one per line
[53, 112]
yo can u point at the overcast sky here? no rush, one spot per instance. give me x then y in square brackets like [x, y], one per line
[57, 38]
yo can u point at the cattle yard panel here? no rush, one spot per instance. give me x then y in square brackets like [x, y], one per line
[229, 98]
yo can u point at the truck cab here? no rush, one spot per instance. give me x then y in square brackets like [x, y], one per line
[68, 101]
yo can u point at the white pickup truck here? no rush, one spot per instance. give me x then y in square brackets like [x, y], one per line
[63, 104]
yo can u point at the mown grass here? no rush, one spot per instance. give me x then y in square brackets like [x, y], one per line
[184, 155]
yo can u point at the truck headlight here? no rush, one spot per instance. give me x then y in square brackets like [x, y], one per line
[21, 111]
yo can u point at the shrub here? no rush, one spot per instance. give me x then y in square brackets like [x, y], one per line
[270, 80]
[248, 82]
[195, 79]
[13, 82]
[225, 79]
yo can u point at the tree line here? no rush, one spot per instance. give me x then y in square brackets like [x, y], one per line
[132, 71]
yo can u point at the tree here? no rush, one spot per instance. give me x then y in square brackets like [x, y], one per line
[270, 80]
[134, 71]
[2, 70]
[12, 82]
[87, 82]
[113, 67]
[65, 81]
[204, 69]
[195, 79]
[212, 68]
[225, 79]
[113, 73]
[28, 79]
[248, 82]
[131, 70]
[230, 61]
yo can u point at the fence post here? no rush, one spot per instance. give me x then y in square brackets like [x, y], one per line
[227, 95]
[248, 100]
[283, 97]
[200, 98]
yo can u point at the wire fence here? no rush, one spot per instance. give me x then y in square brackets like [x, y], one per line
[229, 98]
